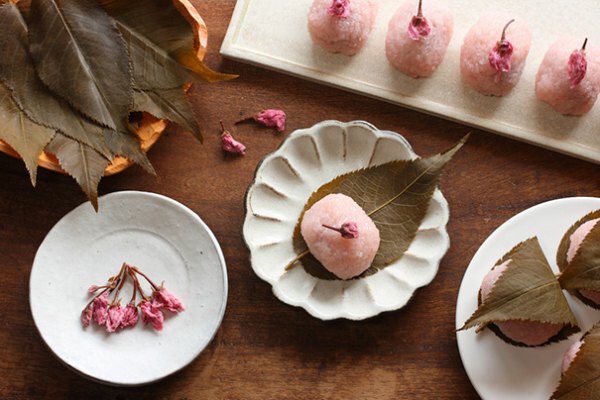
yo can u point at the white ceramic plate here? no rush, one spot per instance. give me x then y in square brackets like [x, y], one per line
[268, 34]
[168, 242]
[497, 370]
[285, 180]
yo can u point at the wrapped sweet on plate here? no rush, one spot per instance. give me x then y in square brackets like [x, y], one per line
[581, 369]
[569, 76]
[341, 26]
[578, 258]
[416, 42]
[521, 301]
[493, 54]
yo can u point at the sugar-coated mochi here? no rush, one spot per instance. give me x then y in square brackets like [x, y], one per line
[345, 34]
[529, 333]
[553, 82]
[570, 355]
[419, 57]
[345, 258]
[575, 242]
[475, 66]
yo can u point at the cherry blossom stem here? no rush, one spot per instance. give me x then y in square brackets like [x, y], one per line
[135, 286]
[299, 257]
[98, 295]
[420, 9]
[338, 230]
[584, 44]
[137, 271]
[503, 38]
[247, 119]
[138, 286]
[122, 278]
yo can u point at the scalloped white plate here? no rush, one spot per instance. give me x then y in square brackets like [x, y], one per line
[170, 243]
[285, 180]
[497, 370]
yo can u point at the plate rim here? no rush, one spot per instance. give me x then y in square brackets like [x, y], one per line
[220, 255]
[460, 295]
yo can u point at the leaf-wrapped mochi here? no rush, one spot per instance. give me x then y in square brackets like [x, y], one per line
[525, 306]
[578, 258]
[581, 375]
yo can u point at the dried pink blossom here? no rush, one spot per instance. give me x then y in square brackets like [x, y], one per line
[100, 308]
[86, 315]
[114, 318]
[130, 316]
[578, 65]
[168, 301]
[151, 313]
[229, 144]
[339, 8]
[93, 289]
[272, 118]
[419, 26]
[500, 56]
[348, 230]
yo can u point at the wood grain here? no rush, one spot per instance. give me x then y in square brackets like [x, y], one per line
[266, 349]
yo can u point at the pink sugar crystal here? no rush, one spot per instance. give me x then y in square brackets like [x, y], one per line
[555, 84]
[419, 58]
[344, 258]
[526, 332]
[478, 70]
[570, 356]
[346, 33]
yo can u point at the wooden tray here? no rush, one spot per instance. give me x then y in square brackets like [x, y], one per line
[150, 128]
[264, 33]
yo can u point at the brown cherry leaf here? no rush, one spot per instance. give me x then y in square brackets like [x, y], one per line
[582, 379]
[128, 145]
[527, 291]
[25, 136]
[170, 104]
[396, 195]
[583, 272]
[80, 54]
[81, 162]
[37, 102]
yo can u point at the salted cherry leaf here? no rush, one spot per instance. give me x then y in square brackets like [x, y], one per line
[80, 54]
[26, 137]
[396, 195]
[583, 272]
[128, 145]
[170, 104]
[582, 379]
[81, 162]
[526, 290]
[42, 106]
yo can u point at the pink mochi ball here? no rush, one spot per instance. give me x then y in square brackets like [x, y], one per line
[553, 84]
[481, 39]
[345, 34]
[575, 242]
[421, 57]
[527, 332]
[345, 258]
[570, 355]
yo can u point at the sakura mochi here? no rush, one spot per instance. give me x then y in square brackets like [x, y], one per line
[569, 76]
[418, 37]
[570, 355]
[493, 54]
[341, 26]
[528, 333]
[575, 242]
[340, 235]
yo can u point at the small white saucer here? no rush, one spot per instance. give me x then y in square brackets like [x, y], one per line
[285, 180]
[167, 241]
[497, 370]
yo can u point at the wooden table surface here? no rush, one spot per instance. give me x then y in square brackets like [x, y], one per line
[266, 349]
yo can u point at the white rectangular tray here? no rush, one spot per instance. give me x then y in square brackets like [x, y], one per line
[273, 34]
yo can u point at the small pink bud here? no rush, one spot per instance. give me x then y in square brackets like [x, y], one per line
[93, 289]
[419, 26]
[272, 119]
[339, 8]
[100, 308]
[86, 315]
[151, 314]
[500, 56]
[130, 316]
[168, 301]
[578, 65]
[348, 230]
[229, 144]
[114, 318]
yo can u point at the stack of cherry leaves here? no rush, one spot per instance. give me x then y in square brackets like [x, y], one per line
[523, 303]
[73, 72]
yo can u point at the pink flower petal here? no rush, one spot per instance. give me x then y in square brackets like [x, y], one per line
[230, 145]
[339, 8]
[130, 316]
[151, 314]
[418, 28]
[272, 118]
[577, 67]
[168, 301]
[114, 318]
[100, 309]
